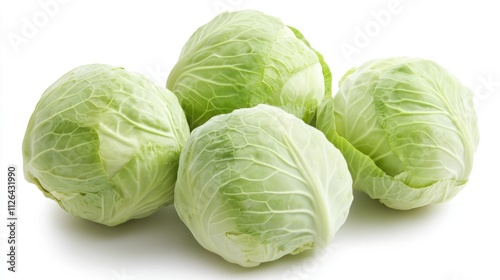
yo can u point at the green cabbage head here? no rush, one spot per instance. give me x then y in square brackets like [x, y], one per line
[104, 143]
[244, 58]
[407, 129]
[259, 183]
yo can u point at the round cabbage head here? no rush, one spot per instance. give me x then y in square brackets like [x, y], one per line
[105, 143]
[245, 58]
[407, 128]
[259, 183]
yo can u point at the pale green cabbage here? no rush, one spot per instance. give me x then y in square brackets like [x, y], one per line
[259, 183]
[244, 58]
[407, 129]
[104, 143]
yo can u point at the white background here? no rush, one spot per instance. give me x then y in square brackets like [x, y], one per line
[457, 240]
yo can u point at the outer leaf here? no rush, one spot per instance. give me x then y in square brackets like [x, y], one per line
[356, 117]
[327, 74]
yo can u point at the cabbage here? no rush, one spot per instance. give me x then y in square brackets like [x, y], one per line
[259, 183]
[407, 129]
[105, 143]
[244, 58]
